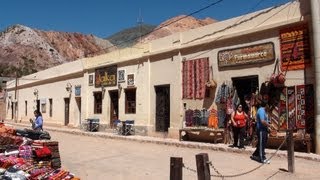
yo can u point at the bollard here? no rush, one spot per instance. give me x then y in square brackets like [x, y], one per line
[176, 168]
[290, 150]
[203, 169]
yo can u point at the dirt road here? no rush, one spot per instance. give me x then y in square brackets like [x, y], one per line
[95, 158]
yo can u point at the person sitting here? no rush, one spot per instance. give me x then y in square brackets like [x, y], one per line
[38, 122]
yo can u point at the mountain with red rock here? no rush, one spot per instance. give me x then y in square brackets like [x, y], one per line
[24, 50]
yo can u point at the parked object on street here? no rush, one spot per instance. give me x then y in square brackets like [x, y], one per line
[125, 127]
[33, 134]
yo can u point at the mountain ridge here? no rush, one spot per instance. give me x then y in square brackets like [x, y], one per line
[25, 50]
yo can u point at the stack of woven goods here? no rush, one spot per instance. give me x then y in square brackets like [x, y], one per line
[22, 158]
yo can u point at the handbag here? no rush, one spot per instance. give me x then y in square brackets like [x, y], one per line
[277, 78]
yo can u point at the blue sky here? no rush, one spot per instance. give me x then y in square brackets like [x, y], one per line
[103, 18]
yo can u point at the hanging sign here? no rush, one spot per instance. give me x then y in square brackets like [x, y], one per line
[246, 55]
[106, 76]
[295, 48]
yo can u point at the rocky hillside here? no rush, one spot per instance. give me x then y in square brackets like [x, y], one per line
[131, 36]
[25, 50]
[177, 24]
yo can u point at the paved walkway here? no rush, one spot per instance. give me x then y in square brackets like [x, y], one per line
[170, 142]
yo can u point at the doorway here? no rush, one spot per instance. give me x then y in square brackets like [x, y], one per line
[38, 105]
[78, 102]
[66, 111]
[245, 86]
[114, 106]
[162, 108]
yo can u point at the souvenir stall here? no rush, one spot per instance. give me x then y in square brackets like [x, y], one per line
[292, 106]
[200, 123]
[23, 158]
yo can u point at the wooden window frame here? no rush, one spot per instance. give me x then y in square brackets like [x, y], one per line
[130, 100]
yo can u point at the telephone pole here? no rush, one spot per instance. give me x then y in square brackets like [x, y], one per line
[140, 22]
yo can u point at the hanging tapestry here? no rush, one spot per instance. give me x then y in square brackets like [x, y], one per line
[187, 79]
[202, 77]
[305, 107]
[295, 48]
[275, 118]
[189, 117]
[195, 75]
[301, 107]
[291, 107]
[283, 110]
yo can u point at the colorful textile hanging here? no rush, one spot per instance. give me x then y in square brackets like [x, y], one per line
[188, 79]
[305, 107]
[275, 118]
[202, 77]
[291, 107]
[213, 119]
[283, 110]
[295, 48]
[195, 75]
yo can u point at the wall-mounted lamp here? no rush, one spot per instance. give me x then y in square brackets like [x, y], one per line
[69, 88]
[35, 92]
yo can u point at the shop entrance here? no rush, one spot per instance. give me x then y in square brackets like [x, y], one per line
[66, 111]
[245, 86]
[162, 108]
[114, 106]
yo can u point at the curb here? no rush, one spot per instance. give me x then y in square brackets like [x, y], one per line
[175, 142]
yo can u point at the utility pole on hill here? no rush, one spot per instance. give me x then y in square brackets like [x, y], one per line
[140, 22]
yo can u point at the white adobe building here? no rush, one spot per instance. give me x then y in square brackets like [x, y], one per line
[146, 83]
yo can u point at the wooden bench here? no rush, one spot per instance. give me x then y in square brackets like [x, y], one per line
[201, 135]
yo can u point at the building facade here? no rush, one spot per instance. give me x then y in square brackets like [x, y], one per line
[155, 83]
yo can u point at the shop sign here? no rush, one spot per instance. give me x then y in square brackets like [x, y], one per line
[106, 76]
[121, 76]
[130, 80]
[295, 48]
[246, 55]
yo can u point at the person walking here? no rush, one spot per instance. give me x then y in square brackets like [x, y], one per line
[262, 126]
[239, 120]
[38, 122]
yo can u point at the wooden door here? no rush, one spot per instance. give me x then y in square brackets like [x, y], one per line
[162, 108]
[66, 111]
[114, 106]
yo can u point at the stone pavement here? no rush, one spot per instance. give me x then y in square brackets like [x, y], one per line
[170, 142]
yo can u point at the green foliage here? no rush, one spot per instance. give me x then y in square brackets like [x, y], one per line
[130, 36]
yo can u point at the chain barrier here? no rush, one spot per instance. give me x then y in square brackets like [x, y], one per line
[190, 169]
[244, 173]
[215, 169]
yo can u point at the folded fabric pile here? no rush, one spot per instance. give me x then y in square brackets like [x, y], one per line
[22, 158]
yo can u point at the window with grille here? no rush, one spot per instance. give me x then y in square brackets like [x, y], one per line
[130, 103]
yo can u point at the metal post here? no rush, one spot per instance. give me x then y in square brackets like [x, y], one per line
[290, 150]
[175, 168]
[315, 4]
